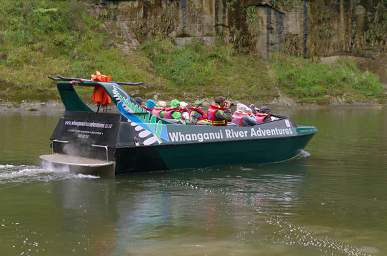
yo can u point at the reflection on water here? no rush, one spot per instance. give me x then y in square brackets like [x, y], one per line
[331, 202]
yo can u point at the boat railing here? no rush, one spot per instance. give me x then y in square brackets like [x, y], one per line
[57, 141]
[106, 150]
[88, 82]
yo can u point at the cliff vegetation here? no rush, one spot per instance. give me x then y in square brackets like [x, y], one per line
[45, 37]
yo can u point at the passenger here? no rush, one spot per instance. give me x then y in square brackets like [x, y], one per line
[184, 110]
[173, 112]
[219, 113]
[262, 115]
[139, 101]
[149, 105]
[243, 116]
[197, 114]
[160, 106]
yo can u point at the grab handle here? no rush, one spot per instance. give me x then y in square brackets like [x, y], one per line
[106, 150]
[59, 141]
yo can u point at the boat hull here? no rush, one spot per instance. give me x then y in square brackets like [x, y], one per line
[197, 155]
[136, 146]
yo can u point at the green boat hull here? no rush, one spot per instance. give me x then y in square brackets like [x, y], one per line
[182, 156]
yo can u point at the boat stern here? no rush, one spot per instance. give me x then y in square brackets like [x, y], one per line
[84, 142]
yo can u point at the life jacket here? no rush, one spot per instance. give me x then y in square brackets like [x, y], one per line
[260, 117]
[184, 113]
[100, 77]
[147, 109]
[212, 117]
[200, 111]
[237, 117]
[157, 111]
[167, 112]
[100, 96]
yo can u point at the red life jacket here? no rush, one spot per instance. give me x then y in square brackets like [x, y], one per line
[147, 109]
[237, 117]
[168, 112]
[260, 117]
[212, 117]
[200, 111]
[156, 111]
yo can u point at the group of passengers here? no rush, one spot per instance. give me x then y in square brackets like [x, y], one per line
[218, 114]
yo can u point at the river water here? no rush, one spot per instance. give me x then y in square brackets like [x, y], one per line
[333, 201]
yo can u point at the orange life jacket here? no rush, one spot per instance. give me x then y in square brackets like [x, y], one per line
[100, 77]
[100, 96]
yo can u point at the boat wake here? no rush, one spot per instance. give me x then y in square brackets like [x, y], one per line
[303, 154]
[27, 173]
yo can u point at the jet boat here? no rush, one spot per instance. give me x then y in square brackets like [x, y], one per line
[131, 139]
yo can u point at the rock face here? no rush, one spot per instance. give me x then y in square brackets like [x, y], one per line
[319, 27]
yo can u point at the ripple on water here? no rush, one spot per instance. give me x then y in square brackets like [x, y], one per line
[26, 173]
[283, 231]
[296, 235]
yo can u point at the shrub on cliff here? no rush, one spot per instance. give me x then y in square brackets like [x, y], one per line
[310, 81]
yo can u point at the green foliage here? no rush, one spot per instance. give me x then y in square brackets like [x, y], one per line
[251, 15]
[377, 26]
[188, 66]
[210, 69]
[305, 79]
[45, 37]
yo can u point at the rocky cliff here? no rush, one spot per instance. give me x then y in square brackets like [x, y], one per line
[297, 27]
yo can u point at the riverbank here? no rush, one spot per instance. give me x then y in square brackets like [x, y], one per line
[31, 107]
[198, 71]
[53, 37]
